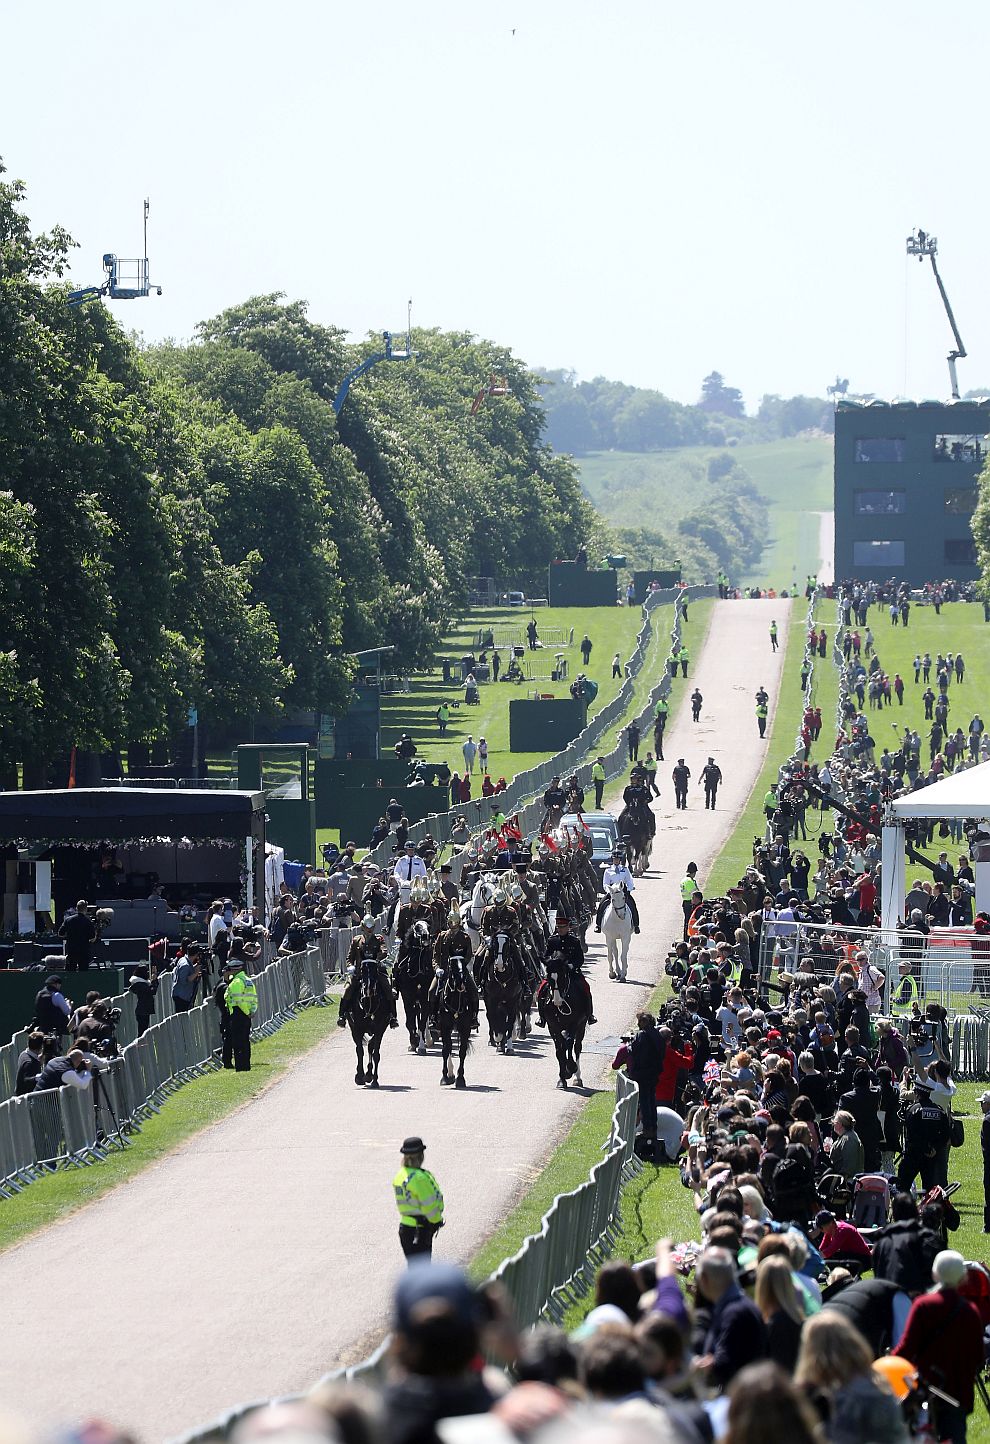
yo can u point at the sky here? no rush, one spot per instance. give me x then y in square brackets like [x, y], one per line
[644, 189]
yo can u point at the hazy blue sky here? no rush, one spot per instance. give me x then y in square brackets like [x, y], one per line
[641, 190]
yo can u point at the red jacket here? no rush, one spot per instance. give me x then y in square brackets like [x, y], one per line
[943, 1338]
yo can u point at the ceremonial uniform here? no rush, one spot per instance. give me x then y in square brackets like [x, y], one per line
[617, 872]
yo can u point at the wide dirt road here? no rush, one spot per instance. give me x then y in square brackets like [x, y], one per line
[262, 1253]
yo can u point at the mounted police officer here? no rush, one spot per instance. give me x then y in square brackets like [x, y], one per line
[617, 872]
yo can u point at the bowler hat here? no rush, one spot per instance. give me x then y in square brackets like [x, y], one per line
[413, 1144]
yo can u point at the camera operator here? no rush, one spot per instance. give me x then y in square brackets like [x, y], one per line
[74, 1070]
[98, 1033]
[928, 1038]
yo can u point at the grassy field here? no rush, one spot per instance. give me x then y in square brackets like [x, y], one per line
[611, 629]
[795, 475]
[959, 628]
[193, 1107]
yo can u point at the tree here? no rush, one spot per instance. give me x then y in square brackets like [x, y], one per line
[721, 399]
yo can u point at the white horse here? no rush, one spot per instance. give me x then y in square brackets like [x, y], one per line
[617, 929]
[483, 894]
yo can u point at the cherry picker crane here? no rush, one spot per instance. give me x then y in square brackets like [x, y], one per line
[921, 244]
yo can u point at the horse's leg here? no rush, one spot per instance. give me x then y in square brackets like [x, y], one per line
[560, 1048]
[446, 1039]
[610, 946]
[577, 1043]
[409, 1013]
[374, 1055]
[464, 1043]
[358, 1035]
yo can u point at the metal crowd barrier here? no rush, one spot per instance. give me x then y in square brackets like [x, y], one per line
[552, 1270]
[70, 1127]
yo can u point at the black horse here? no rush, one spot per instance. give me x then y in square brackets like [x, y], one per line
[455, 1013]
[637, 827]
[412, 976]
[565, 1010]
[367, 1008]
[502, 990]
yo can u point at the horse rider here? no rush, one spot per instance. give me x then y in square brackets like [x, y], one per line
[499, 919]
[637, 799]
[451, 946]
[419, 908]
[617, 872]
[368, 968]
[564, 952]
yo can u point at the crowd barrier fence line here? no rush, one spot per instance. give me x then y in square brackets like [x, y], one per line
[71, 1127]
[523, 794]
[552, 1270]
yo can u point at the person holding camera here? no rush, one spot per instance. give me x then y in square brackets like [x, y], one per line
[185, 978]
[98, 1032]
[74, 1070]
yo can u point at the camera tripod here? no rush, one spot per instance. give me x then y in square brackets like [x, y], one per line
[100, 1091]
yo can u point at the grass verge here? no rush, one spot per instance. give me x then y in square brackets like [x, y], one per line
[192, 1108]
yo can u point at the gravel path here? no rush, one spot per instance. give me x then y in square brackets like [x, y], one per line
[261, 1253]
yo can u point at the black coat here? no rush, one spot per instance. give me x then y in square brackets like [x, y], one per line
[903, 1253]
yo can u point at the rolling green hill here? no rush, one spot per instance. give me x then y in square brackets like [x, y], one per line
[794, 474]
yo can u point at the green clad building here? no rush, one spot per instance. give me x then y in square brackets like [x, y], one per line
[905, 488]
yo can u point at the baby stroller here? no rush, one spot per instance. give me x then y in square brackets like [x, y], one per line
[870, 1205]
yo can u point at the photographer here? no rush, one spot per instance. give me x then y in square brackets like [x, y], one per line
[75, 1070]
[98, 1033]
[145, 990]
[185, 978]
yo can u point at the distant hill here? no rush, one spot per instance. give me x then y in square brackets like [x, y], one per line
[583, 417]
[642, 494]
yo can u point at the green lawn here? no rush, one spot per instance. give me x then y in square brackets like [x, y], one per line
[191, 1108]
[960, 627]
[611, 629]
[795, 475]
[737, 853]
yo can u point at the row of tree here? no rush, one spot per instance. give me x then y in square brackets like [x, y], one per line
[602, 415]
[191, 526]
[724, 531]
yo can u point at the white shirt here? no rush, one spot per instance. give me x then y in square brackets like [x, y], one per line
[670, 1131]
[409, 867]
[728, 1018]
[217, 925]
[614, 874]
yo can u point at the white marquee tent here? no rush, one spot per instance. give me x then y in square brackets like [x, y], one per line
[964, 795]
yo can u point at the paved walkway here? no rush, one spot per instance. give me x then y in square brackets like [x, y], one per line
[262, 1252]
[826, 545]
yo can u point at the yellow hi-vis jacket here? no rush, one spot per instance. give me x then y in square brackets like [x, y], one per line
[417, 1197]
[241, 993]
[904, 997]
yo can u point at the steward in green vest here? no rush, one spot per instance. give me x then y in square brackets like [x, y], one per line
[906, 995]
[684, 657]
[241, 998]
[761, 722]
[419, 1201]
[689, 886]
[770, 803]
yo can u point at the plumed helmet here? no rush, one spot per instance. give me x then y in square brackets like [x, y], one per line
[499, 898]
[421, 932]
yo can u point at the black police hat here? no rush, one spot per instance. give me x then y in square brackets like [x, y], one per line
[414, 1144]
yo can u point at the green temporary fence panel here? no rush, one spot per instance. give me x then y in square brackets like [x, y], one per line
[545, 726]
[573, 585]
